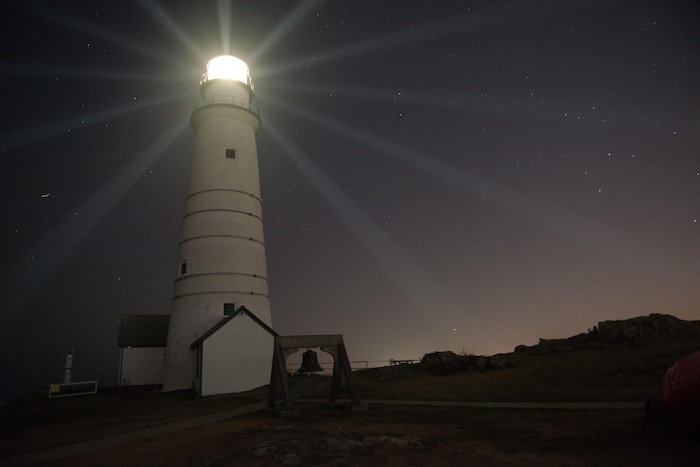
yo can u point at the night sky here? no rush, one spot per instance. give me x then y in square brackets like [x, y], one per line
[436, 175]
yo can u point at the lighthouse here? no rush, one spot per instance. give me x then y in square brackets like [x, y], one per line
[219, 336]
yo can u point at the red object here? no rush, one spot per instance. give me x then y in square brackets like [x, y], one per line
[678, 401]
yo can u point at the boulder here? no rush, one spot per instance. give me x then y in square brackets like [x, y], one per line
[444, 363]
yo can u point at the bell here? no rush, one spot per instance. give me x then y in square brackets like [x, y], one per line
[309, 362]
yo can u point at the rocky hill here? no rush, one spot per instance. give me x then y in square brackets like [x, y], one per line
[605, 335]
[617, 333]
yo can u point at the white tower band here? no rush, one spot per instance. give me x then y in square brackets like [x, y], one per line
[221, 262]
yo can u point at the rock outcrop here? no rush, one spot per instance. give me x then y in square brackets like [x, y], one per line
[644, 329]
[607, 334]
[617, 333]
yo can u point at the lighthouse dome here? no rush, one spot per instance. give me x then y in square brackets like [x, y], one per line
[229, 68]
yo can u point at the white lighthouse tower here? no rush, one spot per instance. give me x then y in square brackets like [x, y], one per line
[221, 265]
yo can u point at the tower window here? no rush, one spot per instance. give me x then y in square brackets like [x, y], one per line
[229, 309]
[230, 154]
[183, 268]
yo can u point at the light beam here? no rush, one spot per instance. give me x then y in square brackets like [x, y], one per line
[414, 282]
[223, 9]
[489, 17]
[592, 234]
[163, 17]
[14, 140]
[48, 13]
[45, 257]
[40, 70]
[294, 18]
[540, 107]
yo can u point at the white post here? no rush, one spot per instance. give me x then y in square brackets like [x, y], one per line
[68, 371]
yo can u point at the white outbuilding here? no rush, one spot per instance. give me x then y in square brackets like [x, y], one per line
[229, 354]
[142, 343]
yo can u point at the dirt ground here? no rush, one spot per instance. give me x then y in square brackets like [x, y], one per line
[419, 436]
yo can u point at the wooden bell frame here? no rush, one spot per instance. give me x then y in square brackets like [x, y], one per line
[280, 387]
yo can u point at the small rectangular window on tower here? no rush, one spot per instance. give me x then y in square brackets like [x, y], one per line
[229, 309]
[183, 268]
[230, 154]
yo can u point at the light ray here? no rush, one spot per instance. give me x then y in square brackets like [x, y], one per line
[595, 236]
[387, 41]
[586, 231]
[46, 256]
[578, 113]
[302, 10]
[322, 88]
[472, 21]
[34, 135]
[27, 69]
[416, 283]
[164, 18]
[223, 8]
[48, 13]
